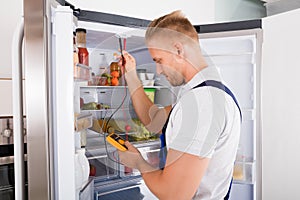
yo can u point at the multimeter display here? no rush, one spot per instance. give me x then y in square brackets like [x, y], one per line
[116, 141]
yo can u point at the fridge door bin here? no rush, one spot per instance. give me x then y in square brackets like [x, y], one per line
[87, 192]
[244, 172]
[81, 72]
[83, 121]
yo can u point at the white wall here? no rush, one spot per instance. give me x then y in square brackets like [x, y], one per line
[9, 17]
[198, 11]
[281, 106]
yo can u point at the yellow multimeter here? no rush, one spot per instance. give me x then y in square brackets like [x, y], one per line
[116, 141]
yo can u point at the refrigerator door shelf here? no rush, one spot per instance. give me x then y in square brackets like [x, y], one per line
[244, 172]
[83, 121]
[82, 72]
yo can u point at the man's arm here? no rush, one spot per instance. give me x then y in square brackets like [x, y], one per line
[178, 180]
[150, 115]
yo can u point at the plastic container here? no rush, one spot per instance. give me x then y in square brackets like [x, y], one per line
[115, 72]
[83, 121]
[150, 92]
[244, 172]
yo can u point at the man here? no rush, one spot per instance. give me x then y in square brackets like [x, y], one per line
[201, 130]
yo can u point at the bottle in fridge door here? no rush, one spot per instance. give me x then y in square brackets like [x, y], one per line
[83, 69]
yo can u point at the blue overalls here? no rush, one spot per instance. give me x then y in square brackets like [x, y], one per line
[163, 149]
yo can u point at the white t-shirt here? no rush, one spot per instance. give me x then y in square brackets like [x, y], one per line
[206, 122]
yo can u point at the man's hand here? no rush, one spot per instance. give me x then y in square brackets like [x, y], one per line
[132, 157]
[129, 62]
[129, 71]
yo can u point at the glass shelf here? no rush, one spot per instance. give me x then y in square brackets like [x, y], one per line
[121, 87]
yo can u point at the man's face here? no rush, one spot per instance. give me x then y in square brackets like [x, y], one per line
[167, 65]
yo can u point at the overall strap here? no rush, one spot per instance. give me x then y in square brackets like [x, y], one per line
[163, 145]
[220, 86]
[212, 83]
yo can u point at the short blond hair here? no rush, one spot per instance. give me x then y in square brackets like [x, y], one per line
[175, 22]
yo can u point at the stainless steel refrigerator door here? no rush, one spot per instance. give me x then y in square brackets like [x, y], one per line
[37, 99]
[49, 100]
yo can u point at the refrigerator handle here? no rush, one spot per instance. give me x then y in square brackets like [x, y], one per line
[17, 89]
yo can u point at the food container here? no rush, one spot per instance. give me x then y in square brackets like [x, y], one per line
[150, 92]
[83, 121]
[115, 72]
[244, 172]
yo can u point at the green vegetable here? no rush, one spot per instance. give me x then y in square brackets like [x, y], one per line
[91, 106]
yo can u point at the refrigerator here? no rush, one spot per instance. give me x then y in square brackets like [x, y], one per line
[252, 57]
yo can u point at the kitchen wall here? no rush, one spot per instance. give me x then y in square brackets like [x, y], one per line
[9, 17]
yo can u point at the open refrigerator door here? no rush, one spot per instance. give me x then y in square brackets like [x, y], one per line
[112, 111]
[237, 55]
[88, 105]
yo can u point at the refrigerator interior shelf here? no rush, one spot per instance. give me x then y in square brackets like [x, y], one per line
[106, 110]
[158, 87]
[244, 172]
[96, 143]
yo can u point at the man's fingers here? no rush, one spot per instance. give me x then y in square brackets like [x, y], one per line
[130, 147]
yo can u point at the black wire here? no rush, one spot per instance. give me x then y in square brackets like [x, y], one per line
[106, 124]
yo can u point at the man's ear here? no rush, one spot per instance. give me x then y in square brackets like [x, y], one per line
[179, 48]
[179, 51]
